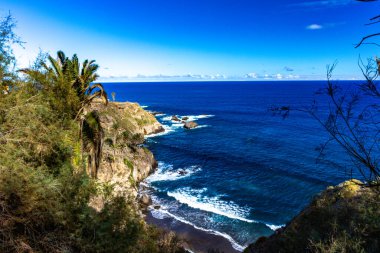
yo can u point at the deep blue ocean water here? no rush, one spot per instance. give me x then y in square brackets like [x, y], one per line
[246, 171]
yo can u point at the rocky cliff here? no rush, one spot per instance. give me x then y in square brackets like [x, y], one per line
[345, 218]
[125, 161]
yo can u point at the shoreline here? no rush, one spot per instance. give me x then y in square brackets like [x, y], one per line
[196, 240]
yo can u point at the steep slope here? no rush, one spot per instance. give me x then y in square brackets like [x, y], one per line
[125, 161]
[345, 218]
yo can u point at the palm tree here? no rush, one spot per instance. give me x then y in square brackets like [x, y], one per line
[82, 78]
[79, 77]
[58, 67]
[92, 141]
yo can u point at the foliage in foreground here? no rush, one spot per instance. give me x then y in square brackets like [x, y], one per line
[44, 186]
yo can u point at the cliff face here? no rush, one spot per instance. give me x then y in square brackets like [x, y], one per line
[125, 162]
[345, 218]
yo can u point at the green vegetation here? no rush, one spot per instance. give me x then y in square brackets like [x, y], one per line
[50, 142]
[142, 122]
[7, 60]
[69, 80]
[128, 163]
[345, 218]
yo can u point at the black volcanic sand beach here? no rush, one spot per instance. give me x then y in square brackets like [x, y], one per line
[197, 240]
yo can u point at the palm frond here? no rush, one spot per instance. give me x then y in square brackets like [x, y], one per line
[61, 57]
[56, 65]
[98, 94]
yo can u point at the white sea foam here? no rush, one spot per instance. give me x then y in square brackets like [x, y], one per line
[159, 214]
[162, 213]
[189, 117]
[166, 172]
[202, 126]
[144, 106]
[197, 117]
[274, 227]
[167, 118]
[195, 199]
[176, 125]
[168, 129]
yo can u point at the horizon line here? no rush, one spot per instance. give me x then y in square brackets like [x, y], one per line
[225, 81]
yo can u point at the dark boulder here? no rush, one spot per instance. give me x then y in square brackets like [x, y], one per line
[182, 172]
[190, 125]
[156, 113]
[160, 129]
[175, 118]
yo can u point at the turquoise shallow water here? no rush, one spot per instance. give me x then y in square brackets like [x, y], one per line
[246, 171]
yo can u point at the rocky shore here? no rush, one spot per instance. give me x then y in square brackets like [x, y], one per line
[125, 162]
[337, 218]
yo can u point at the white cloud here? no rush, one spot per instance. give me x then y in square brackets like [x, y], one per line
[292, 77]
[202, 77]
[314, 27]
[251, 75]
[163, 78]
[278, 76]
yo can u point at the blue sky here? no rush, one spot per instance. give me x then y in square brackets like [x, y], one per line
[199, 39]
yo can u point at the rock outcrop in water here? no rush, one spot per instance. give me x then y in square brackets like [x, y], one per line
[345, 218]
[175, 118]
[190, 125]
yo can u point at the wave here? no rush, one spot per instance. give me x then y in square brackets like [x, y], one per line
[144, 106]
[202, 126]
[166, 172]
[274, 227]
[162, 213]
[168, 130]
[197, 117]
[189, 117]
[195, 199]
[167, 118]
[175, 124]
[229, 209]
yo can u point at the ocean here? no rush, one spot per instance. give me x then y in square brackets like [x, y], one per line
[243, 172]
